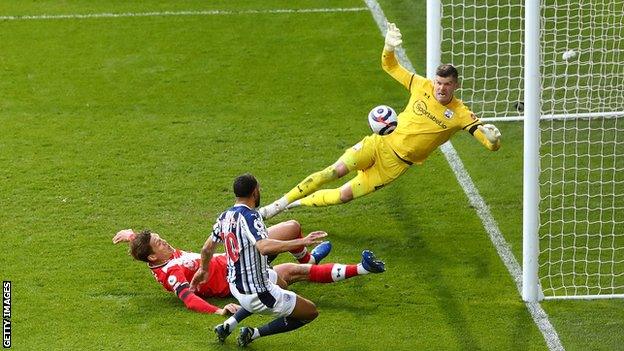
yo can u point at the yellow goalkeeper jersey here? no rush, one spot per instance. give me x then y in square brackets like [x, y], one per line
[425, 124]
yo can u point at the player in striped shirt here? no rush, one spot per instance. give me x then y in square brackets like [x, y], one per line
[247, 244]
[432, 116]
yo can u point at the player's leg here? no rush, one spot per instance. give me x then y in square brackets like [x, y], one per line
[303, 313]
[329, 272]
[326, 197]
[315, 180]
[225, 329]
[359, 186]
[291, 272]
[305, 187]
[290, 230]
[386, 168]
[360, 156]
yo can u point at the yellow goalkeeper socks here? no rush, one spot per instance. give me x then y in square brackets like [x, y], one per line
[311, 183]
[325, 197]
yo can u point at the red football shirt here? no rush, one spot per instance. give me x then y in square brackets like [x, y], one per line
[181, 268]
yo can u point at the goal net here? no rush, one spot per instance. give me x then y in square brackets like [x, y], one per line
[581, 230]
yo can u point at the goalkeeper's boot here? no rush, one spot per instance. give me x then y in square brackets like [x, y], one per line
[321, 251]
[371, 263]
[222, 331]
[245, 337]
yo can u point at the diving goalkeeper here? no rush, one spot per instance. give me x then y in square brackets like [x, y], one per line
[432, 116]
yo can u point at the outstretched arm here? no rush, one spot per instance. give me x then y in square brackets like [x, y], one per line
[192, 301]
[389, 62]
[272, 247]
[178, 283]
[197, 304]
[125, 235]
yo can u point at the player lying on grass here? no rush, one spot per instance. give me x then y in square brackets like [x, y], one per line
[174, 268]
[432, 116]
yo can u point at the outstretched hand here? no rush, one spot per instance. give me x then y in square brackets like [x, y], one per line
[228, 309]
[393, 37]
[314, 238]
[124, 235]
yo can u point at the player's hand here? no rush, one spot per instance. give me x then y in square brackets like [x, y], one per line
[314, 238]
[492, 134]
[198, 278]
[124, 235]
[228, 309]
[393, 37]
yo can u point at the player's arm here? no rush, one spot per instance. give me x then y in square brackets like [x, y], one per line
[193, 302]
[125, 235]
[269, 246]
[206, 255]
[487, 134]
[197, 304]
[389, 62]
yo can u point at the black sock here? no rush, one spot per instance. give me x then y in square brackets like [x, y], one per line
[241, 314]
[281, 325]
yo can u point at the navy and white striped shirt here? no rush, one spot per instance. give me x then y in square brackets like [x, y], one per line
[239, 228]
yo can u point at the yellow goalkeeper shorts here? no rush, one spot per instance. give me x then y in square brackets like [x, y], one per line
[376, 162]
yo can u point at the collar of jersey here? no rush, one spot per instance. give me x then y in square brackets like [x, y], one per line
[162, 264]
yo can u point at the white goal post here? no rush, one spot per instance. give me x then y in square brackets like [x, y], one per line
[559, 67]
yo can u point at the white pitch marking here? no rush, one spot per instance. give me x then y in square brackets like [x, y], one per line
[178, 13]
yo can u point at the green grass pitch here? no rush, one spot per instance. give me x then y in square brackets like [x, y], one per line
[143, 122]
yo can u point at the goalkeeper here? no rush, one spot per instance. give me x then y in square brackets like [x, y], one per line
[430, 119]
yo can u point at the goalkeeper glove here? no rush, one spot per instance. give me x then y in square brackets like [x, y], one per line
[492, 134]
[393, 37]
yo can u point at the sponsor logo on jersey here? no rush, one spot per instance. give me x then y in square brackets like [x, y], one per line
[448, 114]
[420, 109]
[259, 226]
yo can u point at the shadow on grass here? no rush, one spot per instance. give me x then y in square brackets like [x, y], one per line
[521, 330]
[448, 304]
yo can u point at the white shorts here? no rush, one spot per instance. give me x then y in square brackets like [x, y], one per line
[276, 301]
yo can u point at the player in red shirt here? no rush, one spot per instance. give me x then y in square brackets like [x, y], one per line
[174, 269]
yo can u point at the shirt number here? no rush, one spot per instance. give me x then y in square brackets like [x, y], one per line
[231, 246]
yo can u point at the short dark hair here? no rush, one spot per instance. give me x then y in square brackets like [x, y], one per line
[140, 247]
[244, 185]
[447, 70]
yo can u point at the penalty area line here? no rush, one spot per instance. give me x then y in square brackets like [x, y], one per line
[483, 211]
[179, 13]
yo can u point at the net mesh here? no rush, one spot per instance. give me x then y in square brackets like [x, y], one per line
[582, 131]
